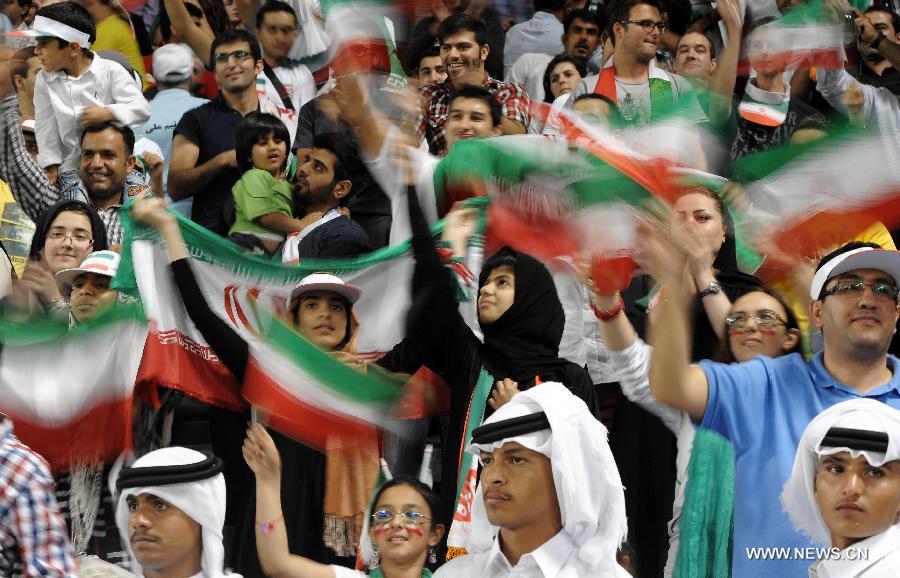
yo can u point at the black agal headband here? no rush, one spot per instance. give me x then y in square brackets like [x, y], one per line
[169, 475]
[510, 428]
[856, 439]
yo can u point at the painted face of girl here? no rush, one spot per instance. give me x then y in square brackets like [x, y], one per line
[756, 326]
[401, 526]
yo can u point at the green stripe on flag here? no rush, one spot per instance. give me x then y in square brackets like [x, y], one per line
[473, 420]
[48, 327]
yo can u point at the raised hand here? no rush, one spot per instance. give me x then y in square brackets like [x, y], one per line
[504, 391]
[261, 454]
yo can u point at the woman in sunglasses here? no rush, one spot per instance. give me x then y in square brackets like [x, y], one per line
[401, 523]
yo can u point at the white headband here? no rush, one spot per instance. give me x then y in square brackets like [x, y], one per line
[44, 26]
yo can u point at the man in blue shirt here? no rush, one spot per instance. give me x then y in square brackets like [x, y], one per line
[763, 406]
[173, 66]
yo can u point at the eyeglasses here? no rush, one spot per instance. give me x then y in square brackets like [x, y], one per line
[856, 288]
[383, 518]
[226, 56]
[76, 238]
[766, 320]
[647, 25]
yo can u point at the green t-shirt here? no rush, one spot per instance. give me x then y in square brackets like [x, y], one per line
[258, 193]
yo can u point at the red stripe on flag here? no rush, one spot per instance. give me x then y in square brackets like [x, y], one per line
[296, 418]
[175, 361]
[818, 58]
[103, 432]
[541, 236]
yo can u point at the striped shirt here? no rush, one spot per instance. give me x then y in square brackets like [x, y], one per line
[32, 534]
[29, 184]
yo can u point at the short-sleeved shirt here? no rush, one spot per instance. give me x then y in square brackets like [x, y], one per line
[258, 193]
[211, 127]
[763, 406]
[512, 98]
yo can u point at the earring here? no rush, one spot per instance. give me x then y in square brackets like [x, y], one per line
[432, 556]
[375, 560]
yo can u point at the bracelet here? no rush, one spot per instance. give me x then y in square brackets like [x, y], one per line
[610, 314]
[267, 527]
[57, 304]
[875, 43]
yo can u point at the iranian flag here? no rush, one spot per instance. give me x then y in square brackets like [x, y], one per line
[809, 198]
[302, 391]
[803, 38]
[69, 392]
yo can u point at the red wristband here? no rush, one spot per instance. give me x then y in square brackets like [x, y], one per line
[609, 314]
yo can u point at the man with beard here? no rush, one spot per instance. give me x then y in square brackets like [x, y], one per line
[203, 164]
[642, 90]
[323, 185]
[581, 35]
[879, 49]
[424, 33]
[464, 48]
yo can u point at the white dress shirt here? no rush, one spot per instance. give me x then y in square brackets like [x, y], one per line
[875, 557]
[297, 81]
[554, 559]
[528, 71]
[543, 33]
[59, 100]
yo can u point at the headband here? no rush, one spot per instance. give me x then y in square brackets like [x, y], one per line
[510, 428]
[44, 26]
[169, 475]
[856, 439]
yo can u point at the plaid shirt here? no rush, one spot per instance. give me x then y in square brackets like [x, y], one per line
[33, 538]
[512, 98]
[29, 184]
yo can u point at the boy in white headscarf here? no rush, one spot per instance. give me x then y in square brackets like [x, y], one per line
[170, 512]
[550, 501]
[844, 490]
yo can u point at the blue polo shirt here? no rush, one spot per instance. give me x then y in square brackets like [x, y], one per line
[763, 406]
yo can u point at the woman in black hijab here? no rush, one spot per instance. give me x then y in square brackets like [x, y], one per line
[521, 341]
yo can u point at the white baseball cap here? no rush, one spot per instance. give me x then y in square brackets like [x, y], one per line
[326, 282]
[98, 262]
[173, 63]
[862, 258]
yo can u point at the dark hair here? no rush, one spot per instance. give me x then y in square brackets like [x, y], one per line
[579, 64]
[294, 308]
[548, 5]
[71, 14]
[815, 121]
[589, 16]
[502, 258]
[482, 94]
[429, 52]
[233, 37]
[125, 131]
[851, 246]
[619, 10]
[46, 218]
[274, 6]
[707, 192]
[19, 63]
[463, 23]
[709, 43]
[253, 128]
[895, 18]
[346, 156]
[430, 496]
[616, 119]
[726, 355]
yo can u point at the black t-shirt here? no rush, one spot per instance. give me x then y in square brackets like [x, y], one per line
[211, 127]
[752, 138]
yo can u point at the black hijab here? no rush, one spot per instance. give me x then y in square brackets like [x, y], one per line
[524, 342]
[42, 227]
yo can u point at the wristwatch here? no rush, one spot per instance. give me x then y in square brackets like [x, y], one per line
[874, 44]
[713, 289]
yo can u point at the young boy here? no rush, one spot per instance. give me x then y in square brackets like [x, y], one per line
[844, 490]
[76, 88]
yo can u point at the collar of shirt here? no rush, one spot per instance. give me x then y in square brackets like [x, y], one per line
[5, 428]
[91, 70]
[447, 85]
[823, 378]
[220, 102]
[861, 556]
[549, 558]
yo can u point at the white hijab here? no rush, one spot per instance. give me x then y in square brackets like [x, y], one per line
[798, 498]
[588, 487]
[202, 501]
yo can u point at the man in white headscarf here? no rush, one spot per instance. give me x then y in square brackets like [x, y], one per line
[844, 490]
[550, 501]
[170, 511]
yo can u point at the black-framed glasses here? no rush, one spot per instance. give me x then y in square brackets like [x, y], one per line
[240, 55]
[384, 517]
[765, 320]
[76, 238]
[855, 288]
[647, 25]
